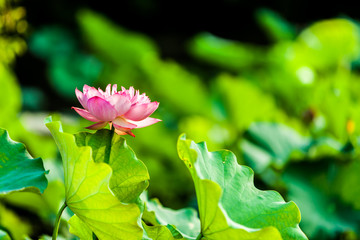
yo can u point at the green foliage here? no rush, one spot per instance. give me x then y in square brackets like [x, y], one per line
[229, 204]
[68, 68]
[272, 145]
[224, 53]
[274, 25]
[101, 34]
[184, 222]
[129, 175]
[87, 190]
[18, 170]
[4, 235]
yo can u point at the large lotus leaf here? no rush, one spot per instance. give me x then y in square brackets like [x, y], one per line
[113, 42]
[185, 220]
[130, 176]
[87, 191]
[18, 170]
[228, 201]
[225, 53]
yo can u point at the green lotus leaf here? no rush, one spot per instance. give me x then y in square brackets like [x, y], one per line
[185, 220]
[18, 170]
[4, 235]
[229, 204]
[87, 191]
[158, 232]
[79, 228]
[130, 176]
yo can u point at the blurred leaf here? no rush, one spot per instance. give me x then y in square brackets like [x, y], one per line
[10, 97]
[329, 43]
[113, 42]
[215, 134]
[87, 190]
[271, 144]
[18, 170]
[322, 216]
[346, 183]
[274, 25]
[129, 175]
[245, 103]
[73, 71]
[4, 235]
[16, 225]
[168, 79]
[229, 204]
[51, 41]
[224, 53]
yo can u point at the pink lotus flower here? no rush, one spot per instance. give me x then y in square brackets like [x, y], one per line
[124, 110]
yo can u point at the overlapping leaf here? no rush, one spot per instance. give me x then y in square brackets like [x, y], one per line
[229, 204]
[88, 194]
[182, 223]
[18, 170]
[130, 176]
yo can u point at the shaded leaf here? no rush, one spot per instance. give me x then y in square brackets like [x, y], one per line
[130, 176]
[18, 170]
[185, 221]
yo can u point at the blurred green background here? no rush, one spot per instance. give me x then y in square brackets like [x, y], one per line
[279, 88]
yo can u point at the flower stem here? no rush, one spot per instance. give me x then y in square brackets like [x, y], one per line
[57, 221]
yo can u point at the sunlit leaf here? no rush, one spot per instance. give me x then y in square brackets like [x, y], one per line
[87, 191]
[130, 176]
[79, 228]
[329, 43]
[18, 170]
[229, 204]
